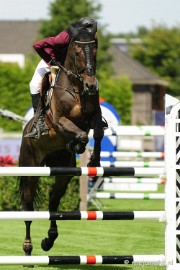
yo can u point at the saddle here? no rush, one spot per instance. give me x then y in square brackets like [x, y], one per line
[43, 109]
[47, 85]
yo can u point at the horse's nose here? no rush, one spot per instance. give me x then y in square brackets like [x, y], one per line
[90, 88]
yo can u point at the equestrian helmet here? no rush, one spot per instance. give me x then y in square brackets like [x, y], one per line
[89, 24]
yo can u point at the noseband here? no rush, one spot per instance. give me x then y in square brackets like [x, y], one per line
[85, 45]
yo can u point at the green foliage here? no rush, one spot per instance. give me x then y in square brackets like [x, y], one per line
[64, 13]
[160, 51]
[117, 92]
[10, 200]
[7, 193]
[103, 56]
[15, 96]
[69, 202]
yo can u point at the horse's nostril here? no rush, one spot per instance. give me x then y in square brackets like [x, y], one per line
[90, 89]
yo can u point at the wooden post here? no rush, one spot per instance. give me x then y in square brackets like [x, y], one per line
[83, 183]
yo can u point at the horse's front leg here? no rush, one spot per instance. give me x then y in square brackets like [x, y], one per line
[98, 135]
[48, 242]
[76, 138]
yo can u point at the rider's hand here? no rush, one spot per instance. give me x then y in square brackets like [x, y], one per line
[54, 63]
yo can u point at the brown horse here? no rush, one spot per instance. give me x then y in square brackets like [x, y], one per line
[72, 110]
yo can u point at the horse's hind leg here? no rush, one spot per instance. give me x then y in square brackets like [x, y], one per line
[56, 194]
[27, 245]
[28, 190]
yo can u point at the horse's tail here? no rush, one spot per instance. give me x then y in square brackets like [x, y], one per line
[28, 187]
[29, 191]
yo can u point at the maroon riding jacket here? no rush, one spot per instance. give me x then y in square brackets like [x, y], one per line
[53, 47]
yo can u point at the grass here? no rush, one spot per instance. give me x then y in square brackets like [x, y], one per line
[92, 237]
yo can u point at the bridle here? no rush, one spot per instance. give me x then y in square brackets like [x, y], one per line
[86, 49]
[90, 70]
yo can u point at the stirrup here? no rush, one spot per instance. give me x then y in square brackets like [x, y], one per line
[39, 128]
[33, 134]
[104, 123]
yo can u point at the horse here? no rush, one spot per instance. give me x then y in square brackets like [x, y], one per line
[70, 111]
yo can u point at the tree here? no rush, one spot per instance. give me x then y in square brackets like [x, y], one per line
[63, 13]
[160, 51]
[119, 93]
[15, 96]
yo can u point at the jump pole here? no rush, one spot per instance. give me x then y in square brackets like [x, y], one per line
[72, 171]
[139, 180]
[142, 164]
[83, 259]
[130, 154]
[81, 215]
[131, 196]
[134, 131]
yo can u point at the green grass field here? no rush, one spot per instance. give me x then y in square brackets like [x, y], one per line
[92, 237]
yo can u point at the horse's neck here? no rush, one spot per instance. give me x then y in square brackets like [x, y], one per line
[69, 62]
[67, 76]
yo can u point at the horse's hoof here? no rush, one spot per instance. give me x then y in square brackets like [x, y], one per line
[46, 244]
[93, 164]
[80, 148]
[27, 247]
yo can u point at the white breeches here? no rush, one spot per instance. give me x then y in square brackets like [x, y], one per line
[39, 73]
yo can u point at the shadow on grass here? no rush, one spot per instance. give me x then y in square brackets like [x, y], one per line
[91, 267]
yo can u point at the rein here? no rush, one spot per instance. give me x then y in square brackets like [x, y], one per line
[77, 75]
[69, 72]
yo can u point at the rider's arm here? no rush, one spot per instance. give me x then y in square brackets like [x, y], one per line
[46, 47]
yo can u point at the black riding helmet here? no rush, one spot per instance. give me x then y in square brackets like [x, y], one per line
[89, 24]
[86, 23]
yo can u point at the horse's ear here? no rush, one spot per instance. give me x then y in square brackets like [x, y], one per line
[72, 31]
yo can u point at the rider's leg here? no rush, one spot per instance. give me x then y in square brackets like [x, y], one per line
[35, 101]
[35, 85]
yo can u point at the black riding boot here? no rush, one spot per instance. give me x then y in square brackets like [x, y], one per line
[35, 101]
[39, 126]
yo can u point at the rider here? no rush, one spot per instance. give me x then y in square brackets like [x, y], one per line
[52, 50]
